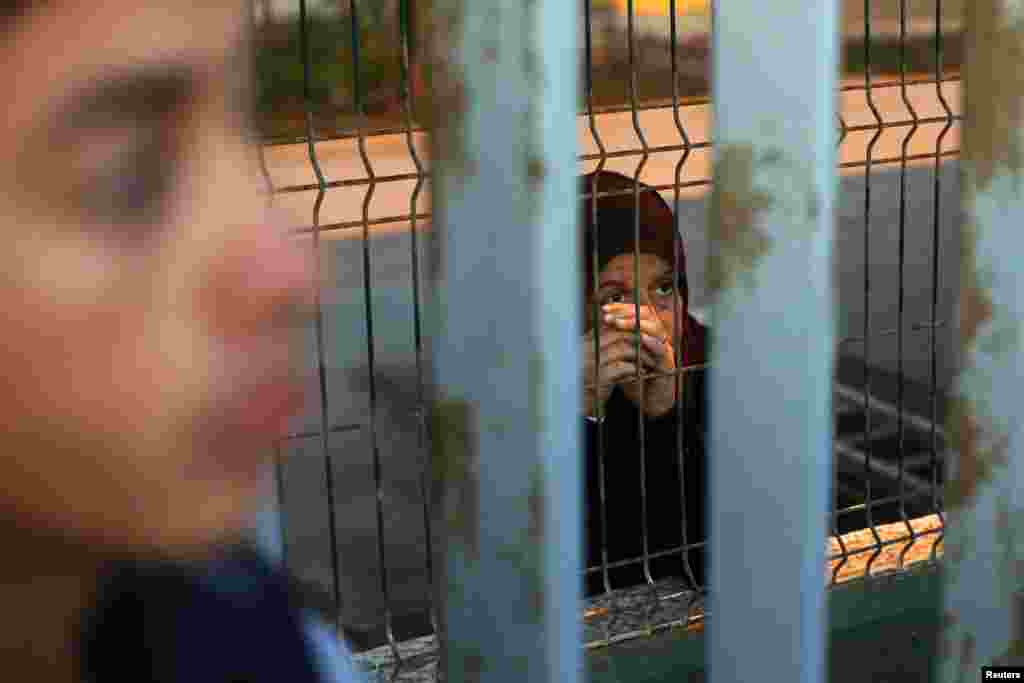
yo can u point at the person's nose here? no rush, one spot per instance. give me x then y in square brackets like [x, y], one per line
[646, 300]
[262, 280]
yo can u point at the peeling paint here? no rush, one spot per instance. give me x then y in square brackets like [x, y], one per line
[977, 461]
[450, 97]
[444, 116]
[454, 459]
[539, 409]
[760, 195]
[992, 135]
[734, 204]
[985, 526]
[526, 551]
[536, 170]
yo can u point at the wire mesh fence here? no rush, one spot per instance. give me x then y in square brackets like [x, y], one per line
[345, 111]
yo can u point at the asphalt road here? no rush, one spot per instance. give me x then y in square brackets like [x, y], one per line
[391, 303]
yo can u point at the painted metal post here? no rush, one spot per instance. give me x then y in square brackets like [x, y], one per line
[774, 78]
[984, 558]
[505, 305]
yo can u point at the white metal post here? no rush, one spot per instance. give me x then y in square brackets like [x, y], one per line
[505, 346]
[984, 558]
[774, 78]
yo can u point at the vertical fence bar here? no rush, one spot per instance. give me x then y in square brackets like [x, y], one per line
[321, 366]
[984, 561]
[506, 328]
[774, 78]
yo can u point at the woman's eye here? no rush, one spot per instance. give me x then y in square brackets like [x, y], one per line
[618, 298]
[665, 290]
[130, 183]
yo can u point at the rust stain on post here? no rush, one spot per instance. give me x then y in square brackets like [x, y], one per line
[533, 76]
[976, 462]
[539, 408]
[993, 88]
[990, 337]
[536, 170]
[735, 204]
[992, 149]
[448, 99]
[445, 117]
[761, 194]
[454, 458]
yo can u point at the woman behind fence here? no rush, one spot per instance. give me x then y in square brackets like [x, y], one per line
[150, 307]
[622, 483]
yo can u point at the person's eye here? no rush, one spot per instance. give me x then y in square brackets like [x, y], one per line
[665, 289]
[613, 298]
[126, 181]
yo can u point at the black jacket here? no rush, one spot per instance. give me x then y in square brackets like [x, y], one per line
[665, 491]
[226, 622]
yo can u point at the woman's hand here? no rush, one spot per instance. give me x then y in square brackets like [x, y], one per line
[659, 393]
[616, 362]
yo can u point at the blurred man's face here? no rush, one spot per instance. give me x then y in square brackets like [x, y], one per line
[149, 305]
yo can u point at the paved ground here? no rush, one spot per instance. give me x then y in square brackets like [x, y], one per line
[392, 309]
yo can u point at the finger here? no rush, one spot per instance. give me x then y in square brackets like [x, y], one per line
[656, 346]
[625, 371]
[623, 309]
[618, 372]
[609, 337]
[654, 328]
[658, 349]
[621, 350]
[654, 355]
[627, 352]
[614, 373]
[627, 309]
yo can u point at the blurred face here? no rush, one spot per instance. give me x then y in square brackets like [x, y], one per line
[150, 304]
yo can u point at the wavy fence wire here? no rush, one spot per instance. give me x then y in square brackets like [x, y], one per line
[344, 115]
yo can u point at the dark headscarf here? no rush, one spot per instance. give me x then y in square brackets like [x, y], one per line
[615, 235]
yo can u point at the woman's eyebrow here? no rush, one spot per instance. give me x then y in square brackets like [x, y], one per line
[136, 95]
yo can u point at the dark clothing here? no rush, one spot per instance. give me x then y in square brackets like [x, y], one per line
[232, 621]
[664, 487]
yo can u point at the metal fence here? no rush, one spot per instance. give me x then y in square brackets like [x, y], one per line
[349, 93]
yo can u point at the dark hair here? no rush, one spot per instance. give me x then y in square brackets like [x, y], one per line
[614, 228]
[12, 10]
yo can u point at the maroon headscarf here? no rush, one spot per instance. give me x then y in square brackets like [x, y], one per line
[615, 235]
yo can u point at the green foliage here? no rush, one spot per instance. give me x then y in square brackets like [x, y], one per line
[332, 72]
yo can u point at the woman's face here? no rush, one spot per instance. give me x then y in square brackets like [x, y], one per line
[150, 305]
[656, 286]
